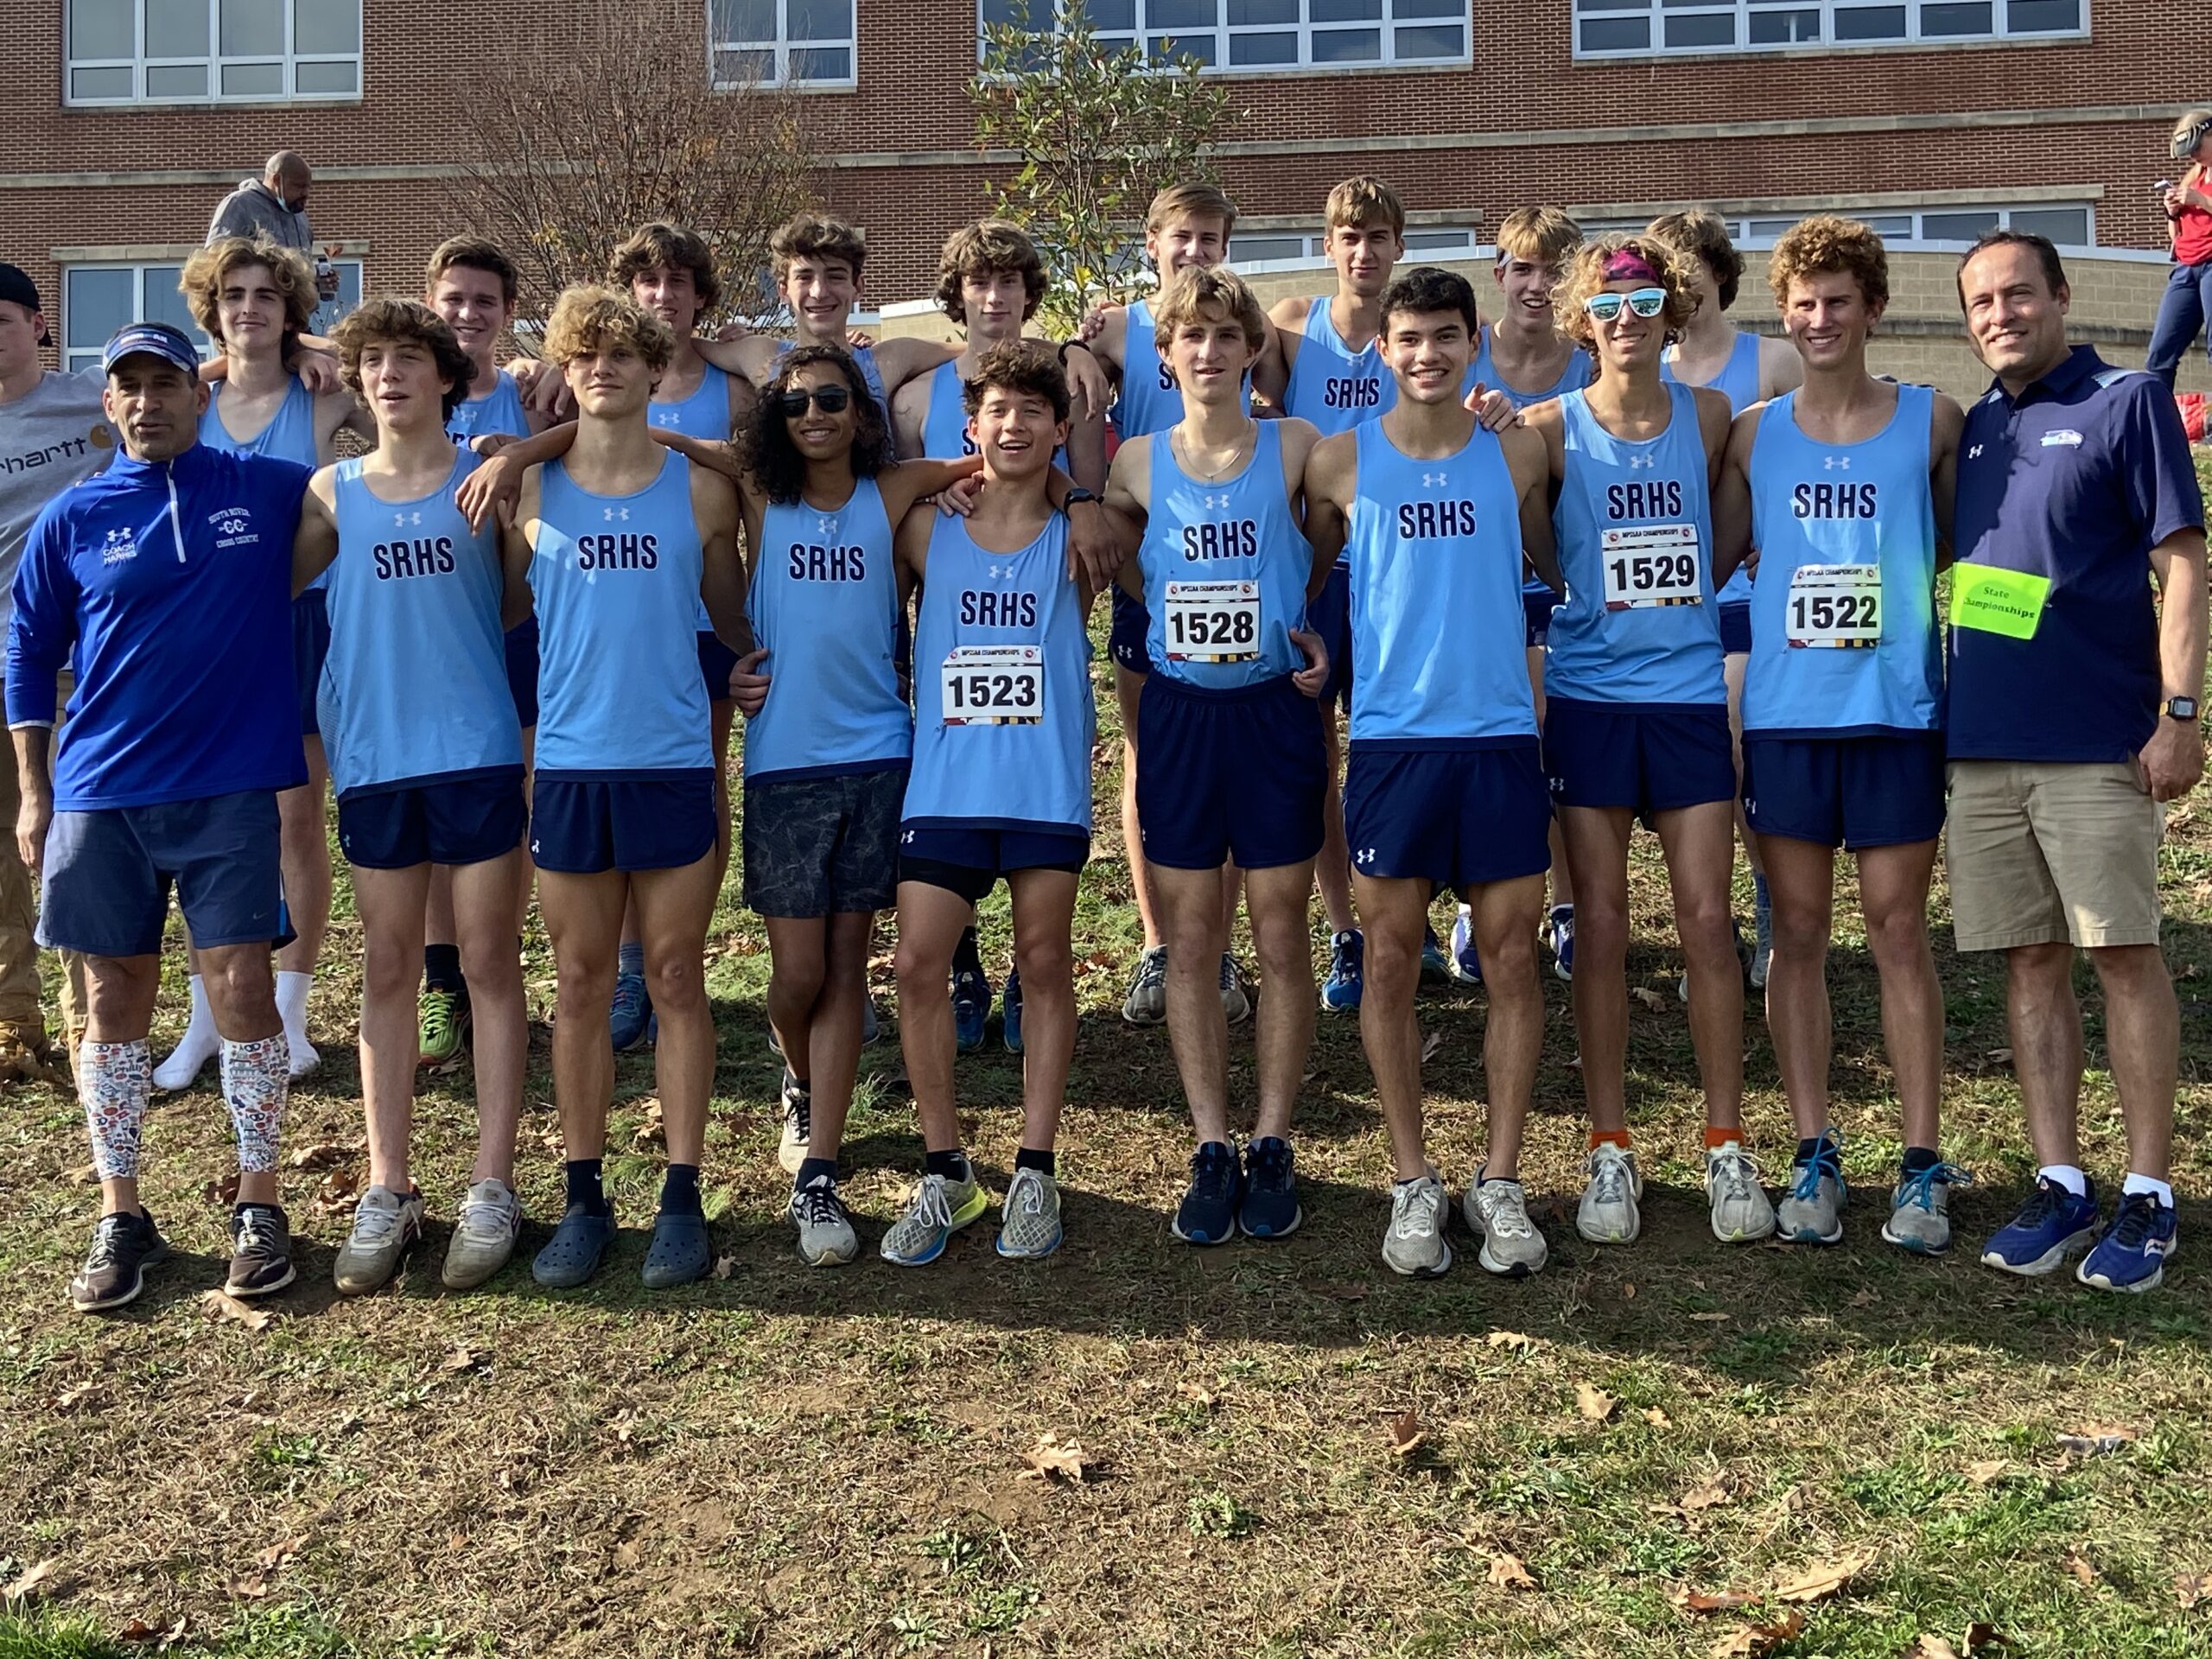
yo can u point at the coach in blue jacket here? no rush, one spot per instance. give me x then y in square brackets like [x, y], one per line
[167, 579]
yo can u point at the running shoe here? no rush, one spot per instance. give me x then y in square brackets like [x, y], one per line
[2132, 1254]
[1147, 1002]
[1562, 941]
[1413, 1244]
[1812, 1211]
[1010, 1011]
[1920, 1209]
[124, 1247]
[483, 1234]
[826, 1238]
[971, 1001]
[938, 1209]
[1466, 965]
[1738, 1204]
[1029, 1222]
[798, 1103]
[387, 1224]
[1435, 966]
[1763, 944]
[2051, 1226]
[1208, 1212]
[1497, 1213]
[632, 1009]
[445, 1024]
[261, 1250]
[1236, 993]
[1340, 990]
[1269, 1208]
[1608, 1213]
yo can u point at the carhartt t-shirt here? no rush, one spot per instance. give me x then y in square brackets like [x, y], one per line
[49, 438]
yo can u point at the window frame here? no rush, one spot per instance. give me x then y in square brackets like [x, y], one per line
[75, 358]
[1221, 32]
[215, 60]
[1742, 11]
[1739, 223]
[781, 49]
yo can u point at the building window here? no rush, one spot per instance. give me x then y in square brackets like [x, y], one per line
[1265, 36]
[97, 299]
[1260, 247]
[781, 42]
[1606, 28]
[2071, 225]
[211, 51]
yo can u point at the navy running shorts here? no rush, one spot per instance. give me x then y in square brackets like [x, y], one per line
[823, 845]
[1537, 603]
[1646, 757]
[1127, 638]
[1736, 627]
[107, 874]
[438, 821]
[522, 669]
[310, 646]
[968, 859]
[1236, 774]
[1329, 614]
[585, 825]
[717, 662]
[1883, 790]
[1458, 817]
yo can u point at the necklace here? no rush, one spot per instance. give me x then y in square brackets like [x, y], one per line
[1237, 457]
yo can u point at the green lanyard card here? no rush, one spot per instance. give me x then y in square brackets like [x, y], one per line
[1995, 600]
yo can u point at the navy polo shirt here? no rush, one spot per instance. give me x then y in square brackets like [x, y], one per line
[2075, 480]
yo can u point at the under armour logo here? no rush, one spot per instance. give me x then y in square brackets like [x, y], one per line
[906, 838]
[1433, 480]
[1638, 462]
[1213, 501]
[1975, 453]
[613, 514]
[1835, 463]
[1001, 573]
[1364, 855]
[401, 520]
[822, 526]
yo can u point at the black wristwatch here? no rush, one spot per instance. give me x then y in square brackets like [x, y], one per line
[1077, 495]
[2176, 708]
[1067, 345]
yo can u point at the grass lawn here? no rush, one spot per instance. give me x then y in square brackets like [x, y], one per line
[1291, 1452]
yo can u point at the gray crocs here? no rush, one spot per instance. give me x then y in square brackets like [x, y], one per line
[575, 1251]
[680, 1252]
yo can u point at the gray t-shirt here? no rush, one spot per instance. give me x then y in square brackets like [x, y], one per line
[50, 437]
[254, 207]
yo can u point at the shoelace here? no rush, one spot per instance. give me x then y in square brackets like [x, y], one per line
[2050, 1199]
[1152, 970]
[484, 1219]
[1918, 1186]
[967, 985]
[930, 1205]
[1424, 1196]
[107, 1241]
[1504, 1208]
[1228, 972]
[2131, 1227]
[372, 1223]
[1214, 1172]
[817, 1203]
[1734, 1172]
[799, 1113]
[441, 1012]
[1270, 1166]
[1027, 1192]
[629, 993]
[1350, 954]
[257, 1233]
[1609, 1178]
[1826, 1161]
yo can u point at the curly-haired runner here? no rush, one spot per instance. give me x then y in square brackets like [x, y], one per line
[254, 300]
[1636, 719]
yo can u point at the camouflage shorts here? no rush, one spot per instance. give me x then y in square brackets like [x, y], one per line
[823, 846]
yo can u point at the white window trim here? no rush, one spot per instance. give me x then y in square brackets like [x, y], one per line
[1912, 39]
[1304, 63]
[1740, 224]
[77, 358]
[781, 49]
[138, 63]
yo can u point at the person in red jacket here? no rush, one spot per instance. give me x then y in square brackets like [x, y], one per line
[2187, 299]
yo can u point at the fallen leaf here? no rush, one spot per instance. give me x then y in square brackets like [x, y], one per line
[2078, 1565]
[1930, 1647]
[224, 1192]
[1709, 1494]
[277, 1553]
[1649, 998]
[1711, 1601]
[83, 1394]
[2190, 1588]
[161, 1634]
[253, 1588]
[1052, 1456]
[463, 1358]
[1508, 1573]
[724, 1265]
[1980, 1634]
[34, 1582]
[1593, 1402]
[324, 1157]
[1430, 1044]
[1627, 1292]
[1407, 1435]
[221, 1304]
[82, 1174]
[628, 1555]
[1865, 1299]
[339, 1189]
[457, 1540]
[1751, 1641]
[1658, 1418]
[649, 1132]
[1197, 1394]
[1518, 1341]
[1981, 1474]
[1713, 1318]
[1817, 1583]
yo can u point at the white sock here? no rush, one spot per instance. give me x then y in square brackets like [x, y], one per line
[195, 1048]
[2159, 1190]
[2069, 1176]
[292, 1003]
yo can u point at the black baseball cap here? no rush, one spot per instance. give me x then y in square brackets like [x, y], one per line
[150, 340]
[17, 289]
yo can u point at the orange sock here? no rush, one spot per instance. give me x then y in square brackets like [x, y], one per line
[1609, 1138]
[1717, 1136]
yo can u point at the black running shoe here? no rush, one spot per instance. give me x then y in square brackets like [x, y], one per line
[261, 1250]
[124, 1247]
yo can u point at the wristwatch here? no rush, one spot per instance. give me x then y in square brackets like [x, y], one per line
[2176, 708]
[1077, 495]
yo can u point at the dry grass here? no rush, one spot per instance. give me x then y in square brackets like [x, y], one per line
[791, 1463]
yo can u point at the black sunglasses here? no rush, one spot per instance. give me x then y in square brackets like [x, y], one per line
[830, 400]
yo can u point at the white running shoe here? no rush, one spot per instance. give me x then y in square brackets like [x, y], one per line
[1414, 1244]
[1512, 1244]
[1741, 1212]
[1607, 1214]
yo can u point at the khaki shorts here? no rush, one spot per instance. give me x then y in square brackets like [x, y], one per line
[2051, 853]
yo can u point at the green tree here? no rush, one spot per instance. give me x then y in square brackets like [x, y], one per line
[1097, 131]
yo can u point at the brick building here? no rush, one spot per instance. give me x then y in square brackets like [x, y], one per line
[129, 118]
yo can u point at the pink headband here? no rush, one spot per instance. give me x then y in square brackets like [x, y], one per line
[1628, 265]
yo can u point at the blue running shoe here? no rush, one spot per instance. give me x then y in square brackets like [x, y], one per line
[971, 1006]
[1010, 1009]
[1812, 1211]
[1562, 940]
[2051, 1226]
[1340, 991]
[1466, 965]
[2131, 1256]
[1269, 1209]
[1435, 966]
[1208, 1212]
[632, 1011]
